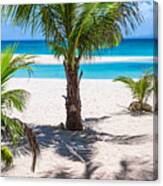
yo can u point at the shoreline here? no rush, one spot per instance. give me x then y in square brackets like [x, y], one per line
[63, 79]
[51, 60]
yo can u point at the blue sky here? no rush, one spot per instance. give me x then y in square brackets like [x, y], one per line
[145, 30]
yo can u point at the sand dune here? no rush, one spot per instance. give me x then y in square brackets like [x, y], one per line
[114, 144]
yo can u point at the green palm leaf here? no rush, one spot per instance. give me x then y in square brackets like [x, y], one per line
[11, 128]
[128, 81]
[10, 64]
[6, 156]
[14, 99]
[141, 89]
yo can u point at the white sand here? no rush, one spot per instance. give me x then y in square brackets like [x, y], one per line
[121, 146]
[50, 59]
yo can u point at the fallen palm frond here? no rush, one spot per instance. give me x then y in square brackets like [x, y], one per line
[34, 146]
[17, 129]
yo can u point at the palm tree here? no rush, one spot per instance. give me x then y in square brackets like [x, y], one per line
[73, 31]
[14, 129]
[141, 90]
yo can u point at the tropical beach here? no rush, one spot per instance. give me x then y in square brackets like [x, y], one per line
[79, 104]
[111, 132]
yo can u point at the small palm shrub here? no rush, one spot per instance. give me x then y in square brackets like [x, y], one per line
[141, 90]
[12, 129]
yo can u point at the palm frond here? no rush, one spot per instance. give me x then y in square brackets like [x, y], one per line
[10, 63]
[141, 89]
[16, 98]
[78, 29]
[103, 26]
[127, 80]
[6, 156]
[13, 128]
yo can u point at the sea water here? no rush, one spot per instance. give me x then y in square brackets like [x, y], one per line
[90, 71]
[103, 70]
[128, 47]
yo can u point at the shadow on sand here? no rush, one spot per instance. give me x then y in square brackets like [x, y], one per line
[79, 146]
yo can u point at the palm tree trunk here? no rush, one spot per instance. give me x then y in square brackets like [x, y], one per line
[73, 102]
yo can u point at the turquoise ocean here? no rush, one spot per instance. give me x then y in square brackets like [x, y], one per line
[103, 70]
